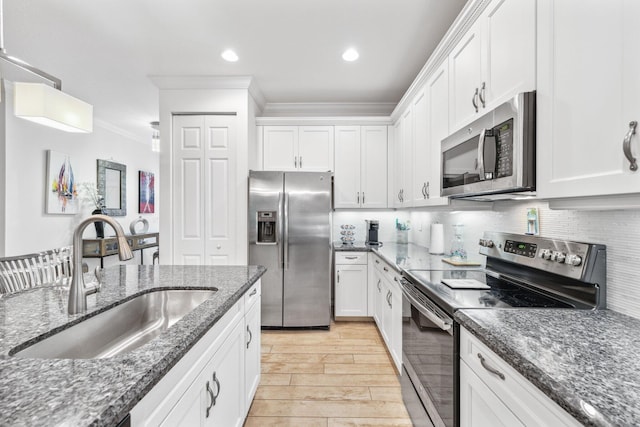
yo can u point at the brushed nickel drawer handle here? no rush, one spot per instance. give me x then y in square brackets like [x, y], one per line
[486, 366]
[255, 291]
[351, 257]
[626, 146]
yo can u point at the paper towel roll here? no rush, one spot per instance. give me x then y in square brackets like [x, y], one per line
[436, 246]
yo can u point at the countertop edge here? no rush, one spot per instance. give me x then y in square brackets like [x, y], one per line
[529, 370]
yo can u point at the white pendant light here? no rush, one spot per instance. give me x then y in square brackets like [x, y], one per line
[47, 106]
[155, 137]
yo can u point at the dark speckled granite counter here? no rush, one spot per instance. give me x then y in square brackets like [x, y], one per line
[406, 256]
[101, 392]
[586, 361]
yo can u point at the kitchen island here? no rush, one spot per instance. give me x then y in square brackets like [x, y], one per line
[82, 392]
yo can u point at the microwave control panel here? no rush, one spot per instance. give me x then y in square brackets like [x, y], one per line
[504, 148]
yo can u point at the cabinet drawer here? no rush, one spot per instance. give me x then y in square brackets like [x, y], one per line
[351, 258]
[525, 400]
[252, 295]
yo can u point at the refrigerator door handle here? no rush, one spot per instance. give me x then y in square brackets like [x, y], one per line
[280, 229]
[285, 242]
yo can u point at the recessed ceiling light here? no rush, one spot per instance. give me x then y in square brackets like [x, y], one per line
[229, 55]
[350, 55]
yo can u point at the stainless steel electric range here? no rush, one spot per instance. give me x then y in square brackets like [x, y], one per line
[521, 271]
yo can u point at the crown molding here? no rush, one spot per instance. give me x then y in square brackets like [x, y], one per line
[467, 17]
[327, 109]
[324, 121]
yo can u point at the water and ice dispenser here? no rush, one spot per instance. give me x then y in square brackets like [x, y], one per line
[267, 226]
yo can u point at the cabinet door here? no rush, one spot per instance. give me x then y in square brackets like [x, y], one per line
[346, 190]
[395, 345]
[279, 148]
[385, 313]
[406, 169]
[421, 149]
[315, 148]
[479, 406]
[377, 298]
[373, 182]
[588, 87]
[465, 62]
[223, 379]
[252, 352]
[438, 128]
[396, 195]
[351, 290]
[510, 46]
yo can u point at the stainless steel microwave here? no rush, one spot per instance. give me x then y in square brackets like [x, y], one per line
[495, 156]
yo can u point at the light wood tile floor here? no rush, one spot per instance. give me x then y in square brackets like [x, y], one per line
[337, 378]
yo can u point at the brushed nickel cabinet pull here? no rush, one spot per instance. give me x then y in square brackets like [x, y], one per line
[482, 98]
[218, 388]
[428, 196]
[474, 100]
[626, 146]
[250, 336]
[210, 392]
[494, 371]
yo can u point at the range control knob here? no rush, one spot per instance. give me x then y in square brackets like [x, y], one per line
[486, 243]
[573, 259]
[545, 253]
[558, 256]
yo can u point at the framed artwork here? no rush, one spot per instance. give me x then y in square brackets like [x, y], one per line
[61, 187]
[146, 187]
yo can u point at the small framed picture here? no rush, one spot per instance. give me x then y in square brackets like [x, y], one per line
[146, 190]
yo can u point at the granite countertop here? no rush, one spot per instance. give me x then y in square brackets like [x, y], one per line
[586, 361]
[103, 391]
[406, 256]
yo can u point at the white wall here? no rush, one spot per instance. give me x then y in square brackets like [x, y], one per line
[619, 230]
[28, 227]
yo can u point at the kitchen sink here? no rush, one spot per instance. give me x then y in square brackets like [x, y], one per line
[119, 329]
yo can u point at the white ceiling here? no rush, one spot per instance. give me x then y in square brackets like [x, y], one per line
[104, 50]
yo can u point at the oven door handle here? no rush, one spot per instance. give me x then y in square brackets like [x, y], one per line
[441, 323]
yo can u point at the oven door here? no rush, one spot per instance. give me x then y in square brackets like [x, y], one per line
[429, 361]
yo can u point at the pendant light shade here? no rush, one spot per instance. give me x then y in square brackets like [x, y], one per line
[48, 106]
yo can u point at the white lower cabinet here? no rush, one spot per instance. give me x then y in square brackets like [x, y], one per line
[388, 308]
[351, 290]
[494, 394]
[214, 382]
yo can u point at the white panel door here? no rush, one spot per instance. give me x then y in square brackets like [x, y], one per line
[588, 86]
[279, 148]
[315, 148]
[373, 175]
[188, 190]
[220, 194]
[438, 129]
[510, 46]
[421, 148]
[204, 190]
[346, 178]
[465, 62]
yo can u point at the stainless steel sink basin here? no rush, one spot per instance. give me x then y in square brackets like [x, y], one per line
[120, 329]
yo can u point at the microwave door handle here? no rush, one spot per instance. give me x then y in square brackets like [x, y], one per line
[480, 167]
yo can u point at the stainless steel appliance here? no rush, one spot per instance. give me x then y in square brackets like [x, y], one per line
[289, 233]
[521, 271]
[495, 155]
[372, 232]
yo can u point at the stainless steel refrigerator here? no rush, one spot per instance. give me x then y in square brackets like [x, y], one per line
[289, 233]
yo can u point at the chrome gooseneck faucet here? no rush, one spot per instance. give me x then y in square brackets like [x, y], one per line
[79, 290]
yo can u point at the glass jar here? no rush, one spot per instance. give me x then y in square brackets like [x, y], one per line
[457, 252]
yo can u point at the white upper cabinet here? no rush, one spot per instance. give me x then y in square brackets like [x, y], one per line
[373, 152]
[438, 128]
[465, 63]
[421, 148]
[403, 160]
[494, 60]
[297, 148]
[588, 94]
[360, 179]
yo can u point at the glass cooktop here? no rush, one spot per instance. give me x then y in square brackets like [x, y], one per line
[502, 294]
